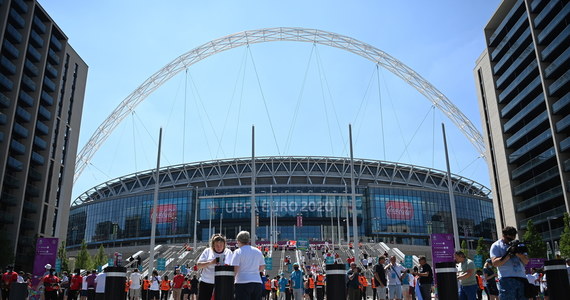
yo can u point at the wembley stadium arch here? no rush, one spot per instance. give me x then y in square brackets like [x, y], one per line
[316, 36]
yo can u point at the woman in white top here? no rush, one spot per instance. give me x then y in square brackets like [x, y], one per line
[248, 262]
[154, 293]
[216, 255]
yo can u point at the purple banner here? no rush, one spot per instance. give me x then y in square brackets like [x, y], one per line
[46, 253]
[537, 263]
[442, 247]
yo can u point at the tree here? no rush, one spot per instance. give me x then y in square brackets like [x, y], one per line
[533, 240]
[565, 238]
[464, 248]
[83, 258]
[62, 255]
[100, 258]
[482, 249]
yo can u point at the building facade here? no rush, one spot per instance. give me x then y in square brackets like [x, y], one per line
[396, 203]
[42, 85]
[523, 88]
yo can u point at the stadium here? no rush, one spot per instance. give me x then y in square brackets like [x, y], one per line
[396, 203]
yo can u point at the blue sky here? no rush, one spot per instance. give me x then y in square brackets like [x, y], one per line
[125, 42]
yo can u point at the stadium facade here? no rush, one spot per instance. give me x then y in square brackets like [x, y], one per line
[396, 203]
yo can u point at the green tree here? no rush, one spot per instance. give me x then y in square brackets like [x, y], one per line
[533, 240]
[565, 238]
[464, 248]
[83, 258]
[100, 258]
[482, 249]
[62, 255]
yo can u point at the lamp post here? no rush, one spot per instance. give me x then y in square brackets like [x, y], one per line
[550, 232]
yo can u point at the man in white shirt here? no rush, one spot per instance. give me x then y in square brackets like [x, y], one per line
[394, 273]
[135, 290]
[248, 262]
[100, 287]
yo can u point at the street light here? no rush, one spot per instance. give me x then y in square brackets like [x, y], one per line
[550, 232]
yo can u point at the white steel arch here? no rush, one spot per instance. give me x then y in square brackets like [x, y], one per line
[272, 35]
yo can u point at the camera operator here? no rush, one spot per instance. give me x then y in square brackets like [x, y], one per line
[510, 258]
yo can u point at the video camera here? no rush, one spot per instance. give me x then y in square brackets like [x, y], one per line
[517, 246]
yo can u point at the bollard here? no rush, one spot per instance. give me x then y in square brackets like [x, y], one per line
[336, 282]
[556, 279]
[446, 274]
[224, 283]
[115, 283]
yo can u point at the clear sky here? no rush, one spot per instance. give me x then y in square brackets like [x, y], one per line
[311, 92]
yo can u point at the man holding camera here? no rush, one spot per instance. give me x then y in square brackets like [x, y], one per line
[510, 258]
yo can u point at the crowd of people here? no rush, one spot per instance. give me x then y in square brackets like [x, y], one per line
[502, 277]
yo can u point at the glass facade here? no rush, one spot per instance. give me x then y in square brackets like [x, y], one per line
[391, 214]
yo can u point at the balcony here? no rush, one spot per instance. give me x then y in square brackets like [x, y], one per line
[30, 208]
[533, 163]
[49, 85]
[11, 181]
[33, 174]
[30, 68]
[560, 62]
[10, 49]
[552, 48]
[28, 84]
[494, 39]
[506, 43]
[8, 199]
[528, 90]
[4, 101]
[7, 65]
[55, 43]
[39, 25]
[32, 190]
[16, 18]
[565, 144]
[561, 103]
[17, 147]
[51, 71]
[541, 218]
[559, 83]
[36, 39]
[53, 57]
[47, 99]
[525, 130]
[3, 119]
[563, 124]
[37, 158]
[23, 114]
[15, 164]
[539, 199]
[538, 101]
[532, 144]
[546, 14]
[13, 34]
[44, 113]
[42, 128]
[536, 180]
[26, 99]
[20, 5]
[33, 54]
[20, 130]
[40, 143]
[5, 83]
[548, 31]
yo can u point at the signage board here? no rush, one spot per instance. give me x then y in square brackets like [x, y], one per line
[268, 263]
[442, 247]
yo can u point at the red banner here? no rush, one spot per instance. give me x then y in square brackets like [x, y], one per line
[399, 210]
[166, 213]
[299, 221]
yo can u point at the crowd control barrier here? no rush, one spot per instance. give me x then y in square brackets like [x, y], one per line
[446, 274]
[224, 283]
[336, 282]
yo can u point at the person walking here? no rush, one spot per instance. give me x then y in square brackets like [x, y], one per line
[490, 278]
[248, 262]
[353, 285]
[215, 255]
[466, 277]
[75, 285]
[425, 281]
